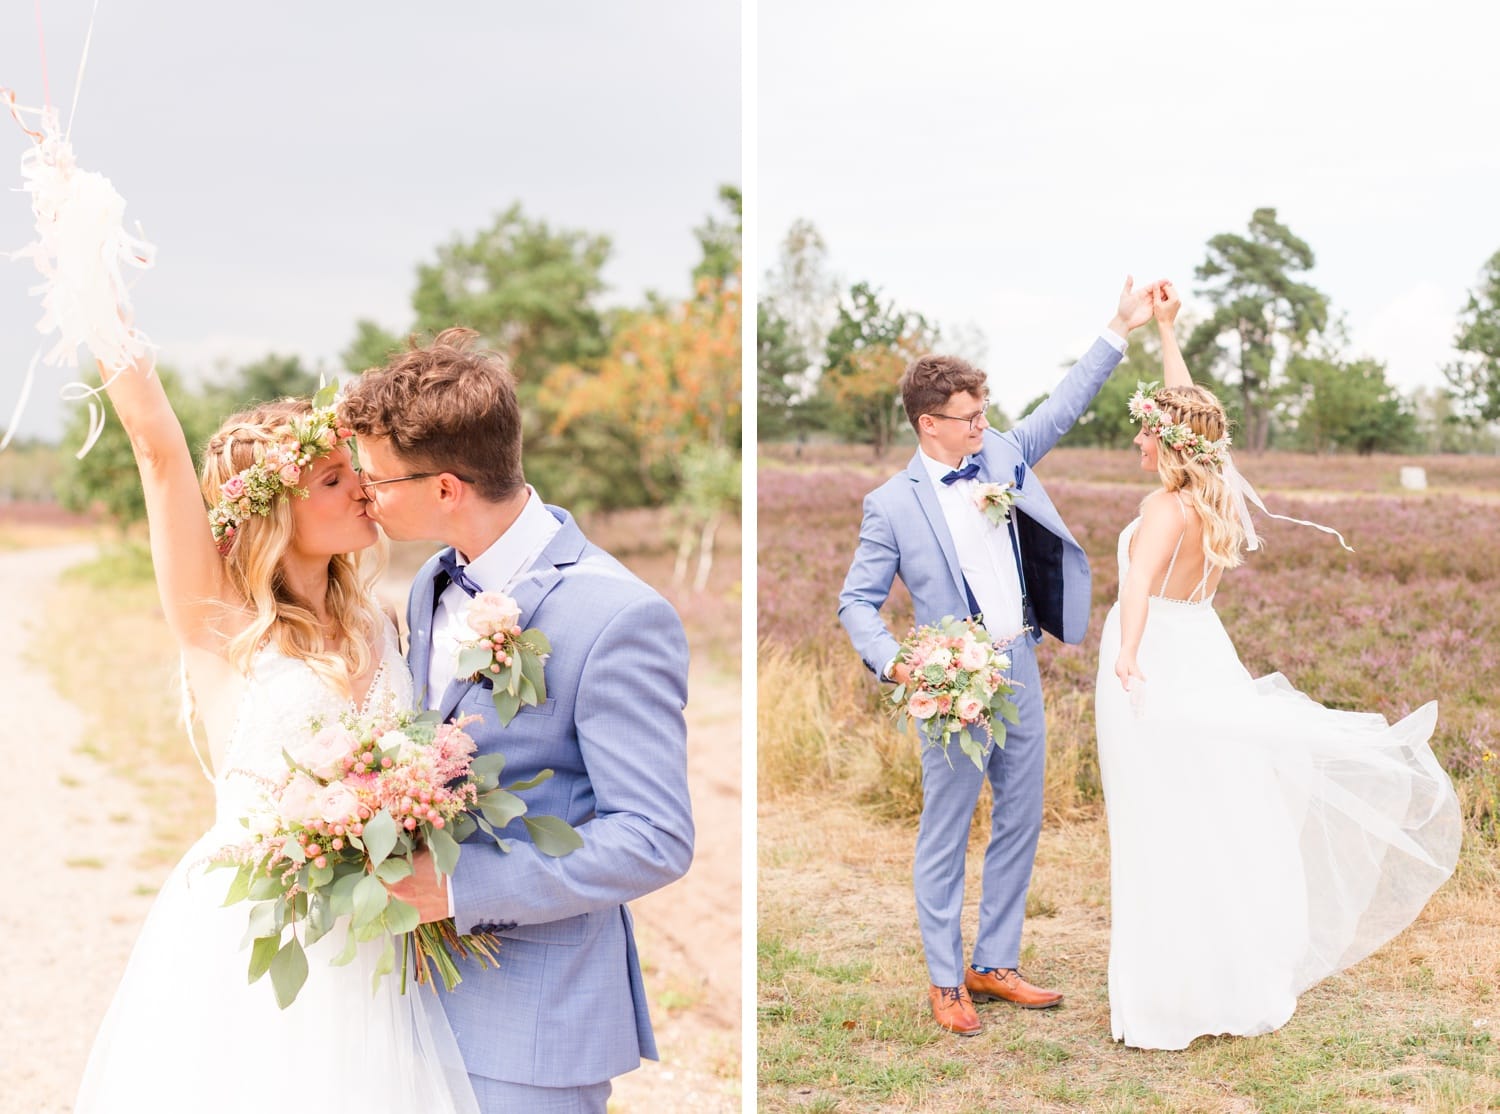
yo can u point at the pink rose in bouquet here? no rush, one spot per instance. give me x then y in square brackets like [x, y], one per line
[957, 687]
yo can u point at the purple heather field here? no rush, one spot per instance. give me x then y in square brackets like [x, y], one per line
[1412, 615]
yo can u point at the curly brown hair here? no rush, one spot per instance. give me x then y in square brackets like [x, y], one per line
[930, 381]
[445, 407]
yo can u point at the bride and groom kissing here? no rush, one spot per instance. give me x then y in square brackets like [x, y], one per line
[1259, 841]
[278, 622]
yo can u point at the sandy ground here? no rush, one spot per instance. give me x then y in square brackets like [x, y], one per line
[61, 962]
[68, 817]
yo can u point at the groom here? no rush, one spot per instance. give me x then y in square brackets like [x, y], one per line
[439, 436]
[923, 526]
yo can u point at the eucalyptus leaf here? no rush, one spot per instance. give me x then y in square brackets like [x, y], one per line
[379, 837]
[474, 659]
[529, 783]
[261, 953]
[400, 917]
[384, 965]
[430, 718]
[552, 835]
[531, 666]
[239, 886]
[444, 850]
[347, 952]
[262, 922]
[293, 850]
[393, 870]
[264, 887]
[319, 876]
[319, 921]
[507, 704]
[537, 639]
[370, 898]
[500, 806]
[288, 972]
[462, 828]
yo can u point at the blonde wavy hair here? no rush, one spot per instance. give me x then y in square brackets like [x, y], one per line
[1202, 482]
[253, 564]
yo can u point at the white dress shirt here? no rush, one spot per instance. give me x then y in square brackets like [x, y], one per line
[495, 570]
[984, 552]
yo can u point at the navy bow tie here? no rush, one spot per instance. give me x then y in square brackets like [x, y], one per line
[448, 562]
[967, 472]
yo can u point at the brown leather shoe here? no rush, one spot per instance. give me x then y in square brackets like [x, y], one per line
[1007, 984]
[953, 1009]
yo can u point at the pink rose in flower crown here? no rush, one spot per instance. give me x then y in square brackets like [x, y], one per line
[492, 613]
[922, 706]
[325, 752]
[289, 474]
[234, 487]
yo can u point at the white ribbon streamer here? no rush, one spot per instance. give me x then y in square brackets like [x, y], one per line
[1241, 491]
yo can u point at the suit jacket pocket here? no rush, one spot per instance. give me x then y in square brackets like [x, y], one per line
[478, 699]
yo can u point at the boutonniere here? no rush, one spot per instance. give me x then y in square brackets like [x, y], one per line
[508, 657]
[995, 500]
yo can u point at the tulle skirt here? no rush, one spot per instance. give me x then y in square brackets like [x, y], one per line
[1259, 841]
[187, 1033]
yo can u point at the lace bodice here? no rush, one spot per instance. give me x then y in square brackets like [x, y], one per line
[281, 696]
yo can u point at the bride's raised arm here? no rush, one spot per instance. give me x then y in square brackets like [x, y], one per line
[1164, 306]
[189, 571]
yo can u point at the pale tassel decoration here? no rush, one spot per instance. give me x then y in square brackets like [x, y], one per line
[1243, 493]
[189, 712]
[81, 252]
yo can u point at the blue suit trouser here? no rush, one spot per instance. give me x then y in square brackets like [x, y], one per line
[498, 1097]
[949, 794]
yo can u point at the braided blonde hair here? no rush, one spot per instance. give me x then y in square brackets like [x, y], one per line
[1202, 481]
[253, 564]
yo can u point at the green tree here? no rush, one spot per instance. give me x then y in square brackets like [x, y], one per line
[720, 240]
[371, 347]
[106, 479]
[1475, 377]
[528, 290]
[1333, 404]
[869, 346]
[265, 380]
[1261, 309]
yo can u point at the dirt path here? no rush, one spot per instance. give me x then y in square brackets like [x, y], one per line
[75, 830]
[63, 959]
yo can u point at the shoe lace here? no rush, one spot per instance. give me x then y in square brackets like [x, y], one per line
[950, 995]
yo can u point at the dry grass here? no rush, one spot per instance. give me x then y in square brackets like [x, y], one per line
[844, 1025]
[843, 1017]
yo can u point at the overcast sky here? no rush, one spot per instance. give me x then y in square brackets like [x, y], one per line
[294, 163]
[1008, 164]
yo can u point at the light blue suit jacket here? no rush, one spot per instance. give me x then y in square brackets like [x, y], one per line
[904, 533]
[566, 1006]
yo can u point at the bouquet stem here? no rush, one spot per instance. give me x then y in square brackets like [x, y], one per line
[437, 942]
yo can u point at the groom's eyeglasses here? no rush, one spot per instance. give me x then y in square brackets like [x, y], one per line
[367, 484]
[970, 420]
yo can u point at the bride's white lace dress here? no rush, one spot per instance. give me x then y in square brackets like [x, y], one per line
[1259, 841]
[187, 1033]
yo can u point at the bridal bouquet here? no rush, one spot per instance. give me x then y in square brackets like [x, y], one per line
[362, 795]
[957, 687]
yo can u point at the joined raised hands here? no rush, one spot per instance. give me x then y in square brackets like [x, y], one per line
[1136, 306]
[1165, 302]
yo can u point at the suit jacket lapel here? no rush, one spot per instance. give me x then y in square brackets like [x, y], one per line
[419, 624]
[927, 497]
[565, 548]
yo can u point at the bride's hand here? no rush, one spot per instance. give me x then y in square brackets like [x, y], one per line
[1165, 303]
[1126, 669]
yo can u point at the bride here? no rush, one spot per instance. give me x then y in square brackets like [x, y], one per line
[270, 601]
[1259, 841]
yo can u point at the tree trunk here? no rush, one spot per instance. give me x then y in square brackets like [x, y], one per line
[706, 551]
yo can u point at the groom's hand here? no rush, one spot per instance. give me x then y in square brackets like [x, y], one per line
[1135, 307]
[424, 888]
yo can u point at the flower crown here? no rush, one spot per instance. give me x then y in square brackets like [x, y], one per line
[278, 467]
[1179, 435]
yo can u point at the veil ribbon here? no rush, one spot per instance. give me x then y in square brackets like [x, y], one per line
[1243, 493]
